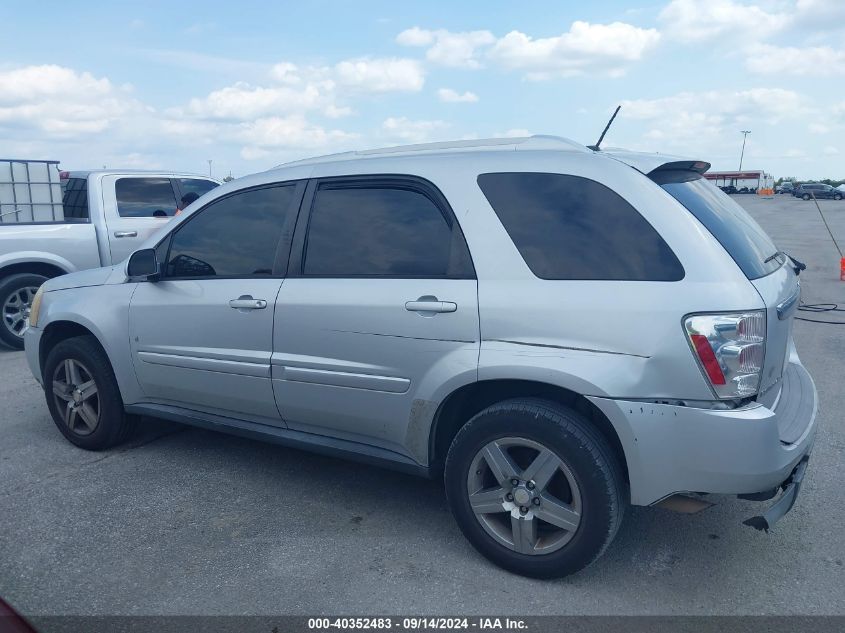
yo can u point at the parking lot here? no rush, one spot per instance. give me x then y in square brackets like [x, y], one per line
[183, 521]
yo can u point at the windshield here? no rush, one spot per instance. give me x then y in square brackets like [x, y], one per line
[730, 224]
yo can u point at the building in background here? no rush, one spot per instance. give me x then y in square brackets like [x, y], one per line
[750, 179]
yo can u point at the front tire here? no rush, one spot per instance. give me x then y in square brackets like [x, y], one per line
[83, 396]
[535, 487]
[837, 197]
[806, 196]
[16, 295]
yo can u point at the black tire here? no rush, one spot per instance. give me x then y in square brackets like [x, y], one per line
[9, 287]
[574, 440]
[806, 196]
[114, 424]
[837, 196]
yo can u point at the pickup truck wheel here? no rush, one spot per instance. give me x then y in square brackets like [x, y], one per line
[16, 295]
[83, 396]
[806, 196]
[535, 487]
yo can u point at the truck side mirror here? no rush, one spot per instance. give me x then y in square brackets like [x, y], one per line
[143, 264]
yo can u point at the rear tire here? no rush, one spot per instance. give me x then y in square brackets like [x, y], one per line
[16, 294]
[83, 396]
[546, 525]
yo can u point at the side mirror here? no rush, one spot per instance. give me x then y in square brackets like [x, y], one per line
[143, 264]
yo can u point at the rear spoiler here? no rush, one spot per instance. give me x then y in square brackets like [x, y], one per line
[698, 166]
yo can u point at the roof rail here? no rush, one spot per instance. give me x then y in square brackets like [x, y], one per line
[538, 141]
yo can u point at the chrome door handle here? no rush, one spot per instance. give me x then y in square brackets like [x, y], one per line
[246, 302]
[126, 233]
[430, 306]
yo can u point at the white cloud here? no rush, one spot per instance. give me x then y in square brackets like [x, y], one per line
[817, 60]
[293, 131]
[718, 108]
[61, 101]
[408, 131]
[447, 48]
[706, 122]
[415, 36]
[819, 12]
[830, 150]
[242, 101]
[381, 74]
[601, 48]
[696, 21]
[447, 95]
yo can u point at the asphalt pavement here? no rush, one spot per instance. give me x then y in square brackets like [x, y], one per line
[184, 521]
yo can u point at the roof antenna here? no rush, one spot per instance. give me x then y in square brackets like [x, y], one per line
[595, 147]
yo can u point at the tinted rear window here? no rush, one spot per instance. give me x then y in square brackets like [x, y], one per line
[75, 199]
[382, 232]
[196, 185]
[145, 197]
[730, 224]
[568, 227]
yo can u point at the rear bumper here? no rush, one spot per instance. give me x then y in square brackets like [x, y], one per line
[671, 449]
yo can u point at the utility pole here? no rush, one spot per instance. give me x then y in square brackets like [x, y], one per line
[744, 133]
[209, 166]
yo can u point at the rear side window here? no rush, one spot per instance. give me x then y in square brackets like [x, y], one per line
[145, 197]
[195, 185]
[369, 231]
[568, 227]
[236, 236]
[729, 223]
[75, 199]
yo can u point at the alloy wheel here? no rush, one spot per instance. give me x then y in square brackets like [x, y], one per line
[16, 309]
[524, 496]
[76, 396]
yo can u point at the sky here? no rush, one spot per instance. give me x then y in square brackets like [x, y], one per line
[249, 85]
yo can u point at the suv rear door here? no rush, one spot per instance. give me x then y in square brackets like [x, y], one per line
[379, 309]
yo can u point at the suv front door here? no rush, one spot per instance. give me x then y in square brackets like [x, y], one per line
[201, 336]
[378, 312]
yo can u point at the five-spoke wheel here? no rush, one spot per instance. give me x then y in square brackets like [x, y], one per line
[524, 495]
[535, 487]
[75, 392]
[83, 395]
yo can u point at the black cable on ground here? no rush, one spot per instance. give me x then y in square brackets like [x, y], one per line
[820, 308]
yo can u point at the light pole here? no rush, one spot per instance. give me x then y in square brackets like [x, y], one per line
[209, 165]
[745, 134]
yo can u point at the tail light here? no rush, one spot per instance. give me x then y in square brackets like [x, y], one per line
[730, 349]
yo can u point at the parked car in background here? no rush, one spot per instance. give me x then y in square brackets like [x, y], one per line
[817, 190]
[54, 223]
[729, 189]
[590, 329]
[785, 187]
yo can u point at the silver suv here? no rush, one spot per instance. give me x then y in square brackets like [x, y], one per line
[557, 332]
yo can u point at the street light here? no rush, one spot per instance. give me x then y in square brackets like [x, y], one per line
[209, 167]
[745, 134]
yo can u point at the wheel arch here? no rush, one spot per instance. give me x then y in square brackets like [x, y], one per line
[60, 330]
[466, 401]
[37, 265]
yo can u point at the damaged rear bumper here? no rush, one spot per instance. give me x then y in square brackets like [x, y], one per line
[791, 487]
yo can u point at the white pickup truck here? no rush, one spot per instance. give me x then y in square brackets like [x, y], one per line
[52, 223]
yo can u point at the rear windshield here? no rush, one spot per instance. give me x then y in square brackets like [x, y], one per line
[729, 223]
[75, 199]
